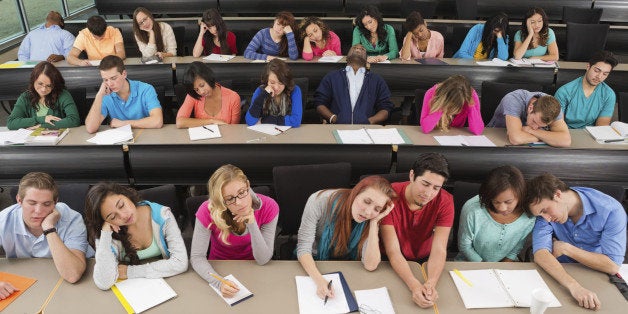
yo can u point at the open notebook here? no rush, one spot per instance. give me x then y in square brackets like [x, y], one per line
[494, 288]
[140, 294]
[371, 136]
[310, 303]
[242, 295]
[617, 131]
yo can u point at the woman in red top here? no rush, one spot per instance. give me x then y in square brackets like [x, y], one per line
[213, 36]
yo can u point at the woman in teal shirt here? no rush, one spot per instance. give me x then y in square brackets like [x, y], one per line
[535, 40]
[46, 103]
[377, 38]
[493, 225]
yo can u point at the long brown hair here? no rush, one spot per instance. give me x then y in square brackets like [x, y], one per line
[450, 97]
[284, 75]
[56, 79]
[143, 35]
[343, 199]
[212, 17]
[543, 33]
[286, 18]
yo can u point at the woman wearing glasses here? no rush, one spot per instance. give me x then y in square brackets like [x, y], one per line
[343, 224]
[127, 232]
[46, 103]
[153, 38]
[239, 224]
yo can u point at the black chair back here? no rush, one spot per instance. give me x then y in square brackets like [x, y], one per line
[463, 191]
[179, 35]
[582, 15]
[493, 92]
[427, 8]
[72, 194]
[467, 9]
[165, 195]
[415, 113]
[583, 40]
[623, 106]
[79, 95]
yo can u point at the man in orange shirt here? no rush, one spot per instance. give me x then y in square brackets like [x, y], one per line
[98, 40]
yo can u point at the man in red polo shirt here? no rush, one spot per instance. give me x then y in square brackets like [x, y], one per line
[418, 227]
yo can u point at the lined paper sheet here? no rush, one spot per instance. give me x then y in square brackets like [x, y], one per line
[374, 301]
[358, 136]
[386, 136]
[204, 132]
[464, 140]
[218, 57]
[330, 59]
[113, 136]
[310, 303]
[521, 283]
[270, 129]
[242, 295]
[144, 293]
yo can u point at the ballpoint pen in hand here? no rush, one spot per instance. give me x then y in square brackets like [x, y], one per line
[327, 296]
[208, 129]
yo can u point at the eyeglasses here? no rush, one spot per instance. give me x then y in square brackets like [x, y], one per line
[42, 85]
[230, 200]
[141, 23]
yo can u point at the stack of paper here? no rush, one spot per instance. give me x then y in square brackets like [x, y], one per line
[122, 134]
[462, 140]
[14, 137]
[270, 129]
[218, 57]
[242, 295]
[374, 301]
[204, 132]
[140, 294]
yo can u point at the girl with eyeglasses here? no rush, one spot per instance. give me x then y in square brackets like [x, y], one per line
[213, 36]
[153, 38]
[343, 224]
[239, 225]
[127, 232]
[46, 103]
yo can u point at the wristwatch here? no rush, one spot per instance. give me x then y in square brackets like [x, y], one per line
[51, 230]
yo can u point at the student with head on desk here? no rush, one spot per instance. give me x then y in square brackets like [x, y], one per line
[127, 231]
[318, 39]
[125, 101]
[451, 103]
[418, 227]
[587, 100]
[421, 42]
[207, 101]
[276, 41]
[98, 40]
[46, 103]
[576, 224]
[342, 224]
[278, 100]
[153, 38]
[535, 40]
[234, 224]
[486, 41]
[493, 224]
[353, 95]
[40, 226]
[48, 42]
[213, 36]
[531, 117]
[376, 37]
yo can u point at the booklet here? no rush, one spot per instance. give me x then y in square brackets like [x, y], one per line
[309, 302]
[140, 294]
[464, 140]
[218, 57]
[494, 288]
[616, 132]
[43, 136]
[371, 136]
[204, 132]
[242, 295]
[270, 129]
[374, 301]
[19, 282]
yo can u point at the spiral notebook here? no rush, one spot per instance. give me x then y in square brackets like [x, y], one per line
[494, 288]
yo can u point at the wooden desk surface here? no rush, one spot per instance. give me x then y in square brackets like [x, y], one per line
[612, 300]
[42, 269]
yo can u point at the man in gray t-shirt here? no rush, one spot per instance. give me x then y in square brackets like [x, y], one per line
[531, 117]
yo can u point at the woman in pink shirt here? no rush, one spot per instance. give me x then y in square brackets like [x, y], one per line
[420, 42]
[451, 103]
[239, 224]
[210, 102]
[318, 39]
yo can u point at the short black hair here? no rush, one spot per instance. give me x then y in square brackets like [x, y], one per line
[97, 25]
[604, 56]
[434, 162]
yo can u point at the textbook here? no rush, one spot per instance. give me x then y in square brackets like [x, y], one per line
[43, 136]
[204, 132]
[140, 294]
[371, 136]
[242, 295]
[19, 282]
[616, 132]
[464, 140]
[494, 288]
[310, 303]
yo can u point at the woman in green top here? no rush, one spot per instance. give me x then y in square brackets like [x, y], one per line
[493, 225]
[378, 38]
[46, 103]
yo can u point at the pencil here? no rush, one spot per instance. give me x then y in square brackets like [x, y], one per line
[425, 278]
[223, 280]
[457, 272]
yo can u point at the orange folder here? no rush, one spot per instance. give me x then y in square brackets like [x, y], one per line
[19, 282]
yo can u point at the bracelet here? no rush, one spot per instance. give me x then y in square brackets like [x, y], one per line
[51, 230]
[330, 118]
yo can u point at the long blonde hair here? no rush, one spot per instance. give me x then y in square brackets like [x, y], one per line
[451, 95]
[221, 216]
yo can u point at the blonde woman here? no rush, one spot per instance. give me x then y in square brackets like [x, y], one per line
[451, 103]
[239, 224]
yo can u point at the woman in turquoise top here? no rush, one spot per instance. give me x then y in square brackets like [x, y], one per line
[493, 225]
[46, 103]
[377, 38]
[535, 40]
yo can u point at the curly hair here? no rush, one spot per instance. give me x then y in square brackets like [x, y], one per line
[373, 12]
[543, 33]
[318, 22]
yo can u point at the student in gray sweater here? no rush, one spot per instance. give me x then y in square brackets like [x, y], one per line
[342, 224]
[127, 232]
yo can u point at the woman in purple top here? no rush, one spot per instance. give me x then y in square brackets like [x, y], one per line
[239, 224]
[318, 39]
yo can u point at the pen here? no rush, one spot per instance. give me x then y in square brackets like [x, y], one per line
[278, 129]
[613, 141]
[327, 296]
[208, 129]
[223, 280]
[457, 272]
